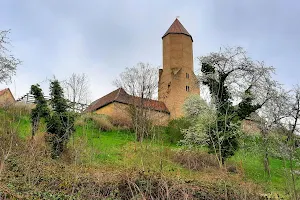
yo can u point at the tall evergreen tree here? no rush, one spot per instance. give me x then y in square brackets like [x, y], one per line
[61, 122]
[41, 109]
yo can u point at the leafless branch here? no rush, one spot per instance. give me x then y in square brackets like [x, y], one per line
[8, 63]
[77, 89]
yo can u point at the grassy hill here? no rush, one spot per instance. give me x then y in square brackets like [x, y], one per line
[105, 162]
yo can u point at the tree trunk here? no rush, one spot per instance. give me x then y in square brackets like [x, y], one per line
[266, 152]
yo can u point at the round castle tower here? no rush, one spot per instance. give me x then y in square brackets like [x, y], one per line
[177, 79]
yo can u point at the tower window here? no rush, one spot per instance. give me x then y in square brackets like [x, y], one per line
[187, 75]
[187, 88]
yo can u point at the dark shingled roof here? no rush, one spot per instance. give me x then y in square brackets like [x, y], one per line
[121, 96]
[177, 28]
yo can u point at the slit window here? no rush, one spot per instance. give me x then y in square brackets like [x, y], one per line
[187, 75]
[187, 88]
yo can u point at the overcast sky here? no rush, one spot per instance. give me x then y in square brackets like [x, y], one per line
[101, 38]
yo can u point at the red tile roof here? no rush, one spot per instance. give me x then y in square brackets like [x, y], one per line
[177, 28]
[121, 96]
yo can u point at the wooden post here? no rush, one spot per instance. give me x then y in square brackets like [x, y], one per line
[26, 97]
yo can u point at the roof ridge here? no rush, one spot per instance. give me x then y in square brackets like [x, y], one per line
[121, 96]
[117, 94]
[177, 28]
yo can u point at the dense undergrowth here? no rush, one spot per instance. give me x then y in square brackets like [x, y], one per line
[104, 162]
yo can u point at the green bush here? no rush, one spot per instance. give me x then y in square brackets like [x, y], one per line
[60, 122]
[173, 130]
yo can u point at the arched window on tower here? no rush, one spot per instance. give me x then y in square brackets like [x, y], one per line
[187, 88]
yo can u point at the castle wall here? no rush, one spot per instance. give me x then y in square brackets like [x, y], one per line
[119, 113]
[106, 110]
[6, 99]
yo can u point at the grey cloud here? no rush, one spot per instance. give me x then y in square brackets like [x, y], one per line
[101, 38]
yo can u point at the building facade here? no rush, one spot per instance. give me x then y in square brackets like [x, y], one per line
[6, 98]
[117, 105]
[177, 81]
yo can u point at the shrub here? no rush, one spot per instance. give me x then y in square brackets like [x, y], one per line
[60, 123]
[60, 126]
[79, 121]
[194, 160]
[41, 110]
[194, 106]
[173, 130]
[100, 122]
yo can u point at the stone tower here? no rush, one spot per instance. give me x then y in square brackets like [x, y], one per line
[177, 79]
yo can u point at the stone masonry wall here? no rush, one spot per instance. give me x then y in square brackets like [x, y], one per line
[177, 79]
[119, 113]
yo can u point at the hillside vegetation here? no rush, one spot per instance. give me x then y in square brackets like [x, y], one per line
[105, 162]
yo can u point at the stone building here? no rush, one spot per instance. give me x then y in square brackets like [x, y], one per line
[117, 104]
[177, 79]
[176, 82]
[6, 98]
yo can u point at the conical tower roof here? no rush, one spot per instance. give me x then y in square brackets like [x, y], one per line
[177, 28]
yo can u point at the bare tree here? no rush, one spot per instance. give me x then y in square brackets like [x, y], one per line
[281, 114]
[239, 73]
[8, 63]
[8, 66]
[238, 86]
[141, 82]
[77, 89]
[271, 117]
[293, 129]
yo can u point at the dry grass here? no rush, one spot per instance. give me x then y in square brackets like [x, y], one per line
[19, 109]
[57, 179]
[34, 175]
[194, 160]
[30, 173]
[101, 122]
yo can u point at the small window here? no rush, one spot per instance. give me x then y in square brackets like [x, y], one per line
[187, 88]
[187, 75]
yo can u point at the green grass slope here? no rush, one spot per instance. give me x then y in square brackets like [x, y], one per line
[109, 159]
